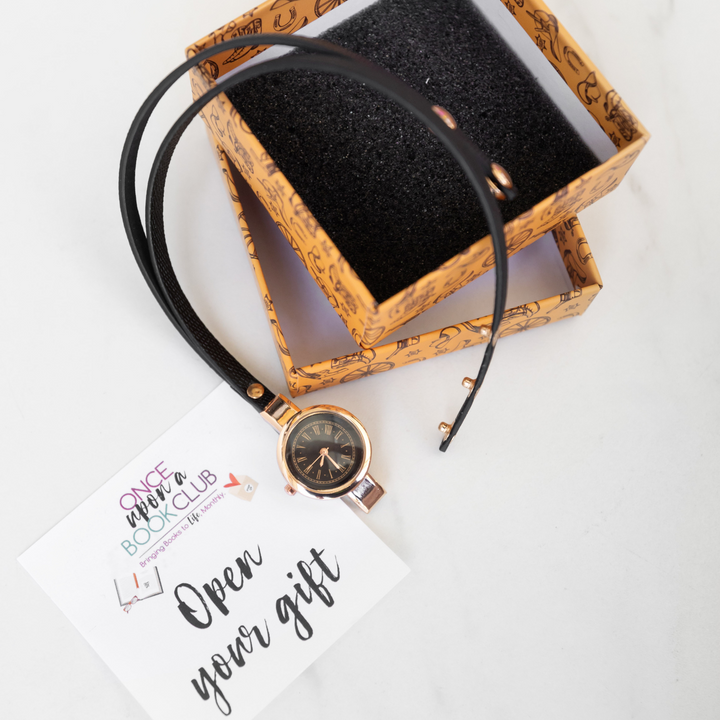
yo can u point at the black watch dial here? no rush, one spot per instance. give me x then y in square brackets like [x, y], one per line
[324, 451]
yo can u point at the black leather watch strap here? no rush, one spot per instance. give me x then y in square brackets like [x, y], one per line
[151, 250]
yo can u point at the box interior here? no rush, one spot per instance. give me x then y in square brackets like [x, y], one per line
[391, 198]
[313, 331]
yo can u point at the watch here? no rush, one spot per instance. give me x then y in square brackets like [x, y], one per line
[323, 451]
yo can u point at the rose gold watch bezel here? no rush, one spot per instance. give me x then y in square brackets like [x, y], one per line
[298, 485]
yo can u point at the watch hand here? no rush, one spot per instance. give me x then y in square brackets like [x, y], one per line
[339, 467]
[323, 453]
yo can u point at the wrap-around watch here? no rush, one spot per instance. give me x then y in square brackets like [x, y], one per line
[323, 451]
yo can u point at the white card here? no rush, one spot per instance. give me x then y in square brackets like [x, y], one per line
[226, 591]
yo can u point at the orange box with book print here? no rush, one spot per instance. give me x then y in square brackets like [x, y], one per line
[581, 272]
[370, 321]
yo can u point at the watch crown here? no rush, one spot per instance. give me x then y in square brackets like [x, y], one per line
[290, 490]
[444, 428]
[468, 383]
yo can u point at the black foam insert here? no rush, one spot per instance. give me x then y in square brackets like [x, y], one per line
[389, 195]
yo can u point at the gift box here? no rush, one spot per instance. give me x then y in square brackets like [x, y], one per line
[287, 294]
[373, 315]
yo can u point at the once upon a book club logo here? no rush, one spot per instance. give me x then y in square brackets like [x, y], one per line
[166, 501]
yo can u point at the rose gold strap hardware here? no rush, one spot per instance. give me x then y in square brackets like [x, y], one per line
[279, 411]
[255, 391]
[445, 429]
[445, 116]
[500, 179]
[366, 494]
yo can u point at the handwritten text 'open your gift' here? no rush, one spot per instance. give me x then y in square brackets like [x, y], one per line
[193, 606]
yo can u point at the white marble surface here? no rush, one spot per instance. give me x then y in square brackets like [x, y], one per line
[564, 565]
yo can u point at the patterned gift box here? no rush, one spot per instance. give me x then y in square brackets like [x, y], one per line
[368, 321]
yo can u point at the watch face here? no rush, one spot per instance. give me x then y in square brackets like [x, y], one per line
[325, 450]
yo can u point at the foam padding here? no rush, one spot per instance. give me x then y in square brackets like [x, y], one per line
[389, 195]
